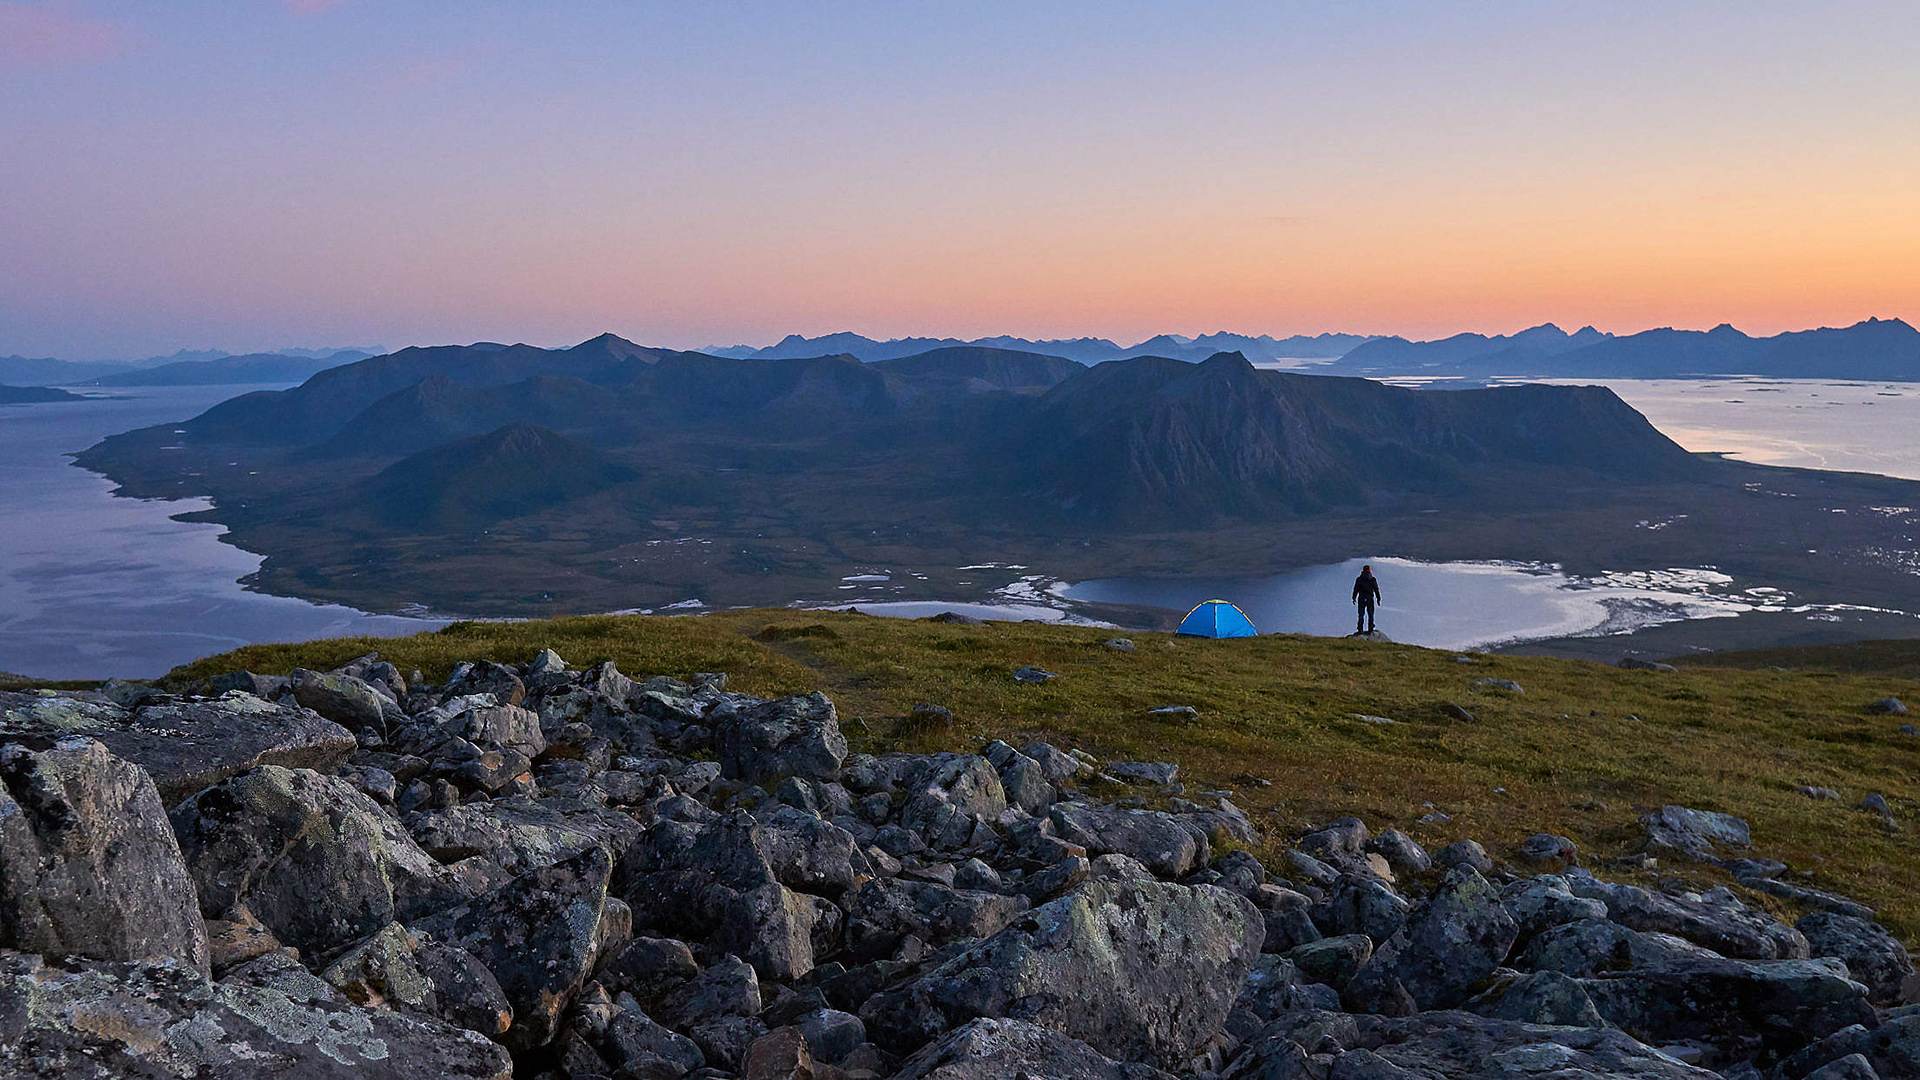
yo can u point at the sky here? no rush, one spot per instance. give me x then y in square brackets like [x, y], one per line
[249, 174]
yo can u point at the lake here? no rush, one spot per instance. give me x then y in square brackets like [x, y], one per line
[92, 585]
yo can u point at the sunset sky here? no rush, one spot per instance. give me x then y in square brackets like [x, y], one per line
[259, 174]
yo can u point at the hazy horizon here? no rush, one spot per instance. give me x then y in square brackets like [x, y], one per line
[398, 171]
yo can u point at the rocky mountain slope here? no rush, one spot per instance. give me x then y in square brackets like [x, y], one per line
[547, 871]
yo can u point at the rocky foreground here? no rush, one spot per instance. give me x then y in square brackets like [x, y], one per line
[554, 873]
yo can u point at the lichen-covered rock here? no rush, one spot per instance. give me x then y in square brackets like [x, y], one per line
[316, 861]
[185, 744]
[1166, 844]
[88, 862]
[996, 1049]
[520, 834]
[1715, 919]
[1540, 997]
[791, 736]
[1461, 1046]
[1700, 835]
[1140, 971]
[395, 969]
[1737, 1005]
[1449, 943]
[1587, 947]
[885, 910]
[343, 699]
[1874, 958]
[118, 1021]
[541, 935]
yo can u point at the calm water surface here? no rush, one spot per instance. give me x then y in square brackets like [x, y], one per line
[92, 586]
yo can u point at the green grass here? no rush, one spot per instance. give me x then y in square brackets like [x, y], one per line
[1583, 752]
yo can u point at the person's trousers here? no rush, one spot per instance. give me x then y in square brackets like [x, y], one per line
[1365, 620]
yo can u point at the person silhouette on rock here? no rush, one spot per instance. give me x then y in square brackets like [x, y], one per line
[1366, 593]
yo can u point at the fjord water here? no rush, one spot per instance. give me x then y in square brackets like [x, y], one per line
[92, 585]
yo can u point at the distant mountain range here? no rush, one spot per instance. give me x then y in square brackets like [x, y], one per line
[1882, 349]
[188, 367]
[31, 395]
[1084, 350]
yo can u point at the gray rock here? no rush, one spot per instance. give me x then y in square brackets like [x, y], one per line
[519, 834]
[110, 1021]
[1175, 714]
[1715, 919]
[392, 969]
[186, 744]
[1333, 961]
[1120, 644]
[1453, 940]
[1031, 674]
[1733, 1004]
[637, 1047]
[1588, 947]
[1362, 906]
[1403, 854]
[1545, 850]
[1634, 663]
[1461, 1046]
[88, 861]
[1891, 706]
[728, 988]
[793, 736]
[957, 793]
[886, 910]
[1155, 773]
[1811, 898]
[1874, 958]
[317, 862]
[1466, 853]
[1058, 764]
[997, 1049]
[1507, 686]
[1541, 903]
[1140, 971]
[1694, 834]
[1540, 997]
[1851, 1067]
[1024, 781]
[542, 936]
[343, 699]
[831, 1034]
[1165, 843]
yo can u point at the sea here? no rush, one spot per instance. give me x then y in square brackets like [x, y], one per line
[93, 585]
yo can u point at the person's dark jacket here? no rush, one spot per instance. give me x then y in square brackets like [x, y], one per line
[1366, 589]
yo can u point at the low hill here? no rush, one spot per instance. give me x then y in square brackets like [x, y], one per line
[232, 370]
[507, 473]
[1583, 751]
[29, 395]
[1897, 658]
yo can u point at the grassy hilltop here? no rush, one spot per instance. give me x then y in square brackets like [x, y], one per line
[1582, 752]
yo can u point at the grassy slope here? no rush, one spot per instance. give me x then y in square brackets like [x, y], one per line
[1582, 753]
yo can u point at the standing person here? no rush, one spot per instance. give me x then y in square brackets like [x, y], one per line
[1366, 593]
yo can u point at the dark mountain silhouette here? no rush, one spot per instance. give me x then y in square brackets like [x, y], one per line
[1138, 438]
[977, 368]
[1875, 349]
[510, 472]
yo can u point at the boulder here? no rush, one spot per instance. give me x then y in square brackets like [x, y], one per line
[88, 861]
[395, 969]
[1587, 947]
[1874, 958]
[1891, 706]
[1164, 843]
[792, 736]
[317, 862]
[520, 834]
[1140, 971]
[1715, 919]
[886, 910]
[343, 699]
[1461, 1046]
[1540, 997]
[541, 936]
[1699, 835]
[635, 1046]
[1455, 939]
[997, 1049]
[109, 1021]
[186, 744]
[1736, 1005]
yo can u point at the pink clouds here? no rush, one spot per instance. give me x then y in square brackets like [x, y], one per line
[52, 35]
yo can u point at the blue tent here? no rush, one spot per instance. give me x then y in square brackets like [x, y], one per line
[1217, 618]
